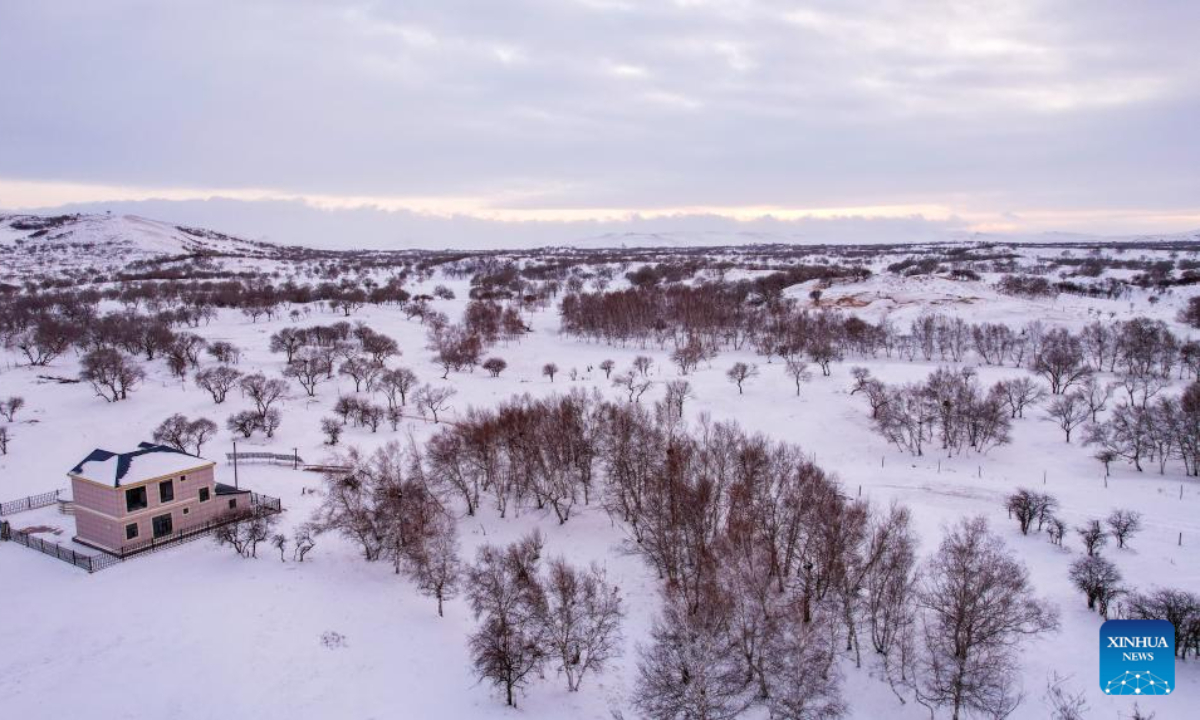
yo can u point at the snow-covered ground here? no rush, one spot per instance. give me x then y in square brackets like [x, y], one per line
[196, 632]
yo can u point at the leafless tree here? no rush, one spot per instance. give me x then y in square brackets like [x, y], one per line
[495, 366]
[691, 668]
[1096, 578]
[740, 372]
[307, 367]
[607, 366]
[331, 428]
[302, 541]
[1096, 395]
[396, 384]
[10, 406]
[1124, 524]
[1092, 536]
[582, 617]
[111, 374]
[244, 422]
[678, 392]
[218, 381]
[630, 383]
[361, 370]
[1062, 702]
[1060, 361]
[977, 603]
[642, 364]
[1068, 411]
[183, 434]
[436, 565]
[246, 532]
[1027, 506]
[797, 370]
[263, 391]
[433, 400]
[509, 646]
[5, 439]
[225, 352]
[550, 370]
[1020, 393]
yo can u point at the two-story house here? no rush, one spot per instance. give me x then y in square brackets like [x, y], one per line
[124, 499]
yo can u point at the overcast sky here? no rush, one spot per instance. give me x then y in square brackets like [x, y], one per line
[425, 120]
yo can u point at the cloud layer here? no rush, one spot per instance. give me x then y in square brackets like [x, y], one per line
[1021, 115]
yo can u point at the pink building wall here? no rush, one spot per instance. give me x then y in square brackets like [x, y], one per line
[101, 515]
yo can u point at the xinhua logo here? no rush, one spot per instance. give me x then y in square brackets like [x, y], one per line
[1137, 657]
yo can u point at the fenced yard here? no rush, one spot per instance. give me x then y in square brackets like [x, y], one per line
[97, 560]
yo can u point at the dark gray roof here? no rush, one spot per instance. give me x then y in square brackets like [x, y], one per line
[124, 461]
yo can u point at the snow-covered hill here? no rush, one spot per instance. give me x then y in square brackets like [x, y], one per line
[107, 242]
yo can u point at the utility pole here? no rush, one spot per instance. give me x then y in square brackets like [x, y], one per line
[235, 468]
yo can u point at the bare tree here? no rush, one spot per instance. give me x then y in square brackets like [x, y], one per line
[797, 370]
[582, 617]
[183, 434]
[740, 373]
[1096, 395]
[607, 366]
[1027, 506]
[246, 532]
[396, 384]
[495, 366]
[263, 391]
[1124, 524]
[10, 406]
[1069, 411]
[642, 364]
[977, 603]
[111, 374]
[433, 400]
[1096, 578]
[691, 668]
[630, 383]
[331, 428]
[1060, 361]
[678, 392]
[509, 646]
[308, 367]
[1020, 393]
[244, 422]
[1064, 704]
[550, 370]
[1092, 536]
[437, 568]
[5, 439]
[302, 541]
[218, 381]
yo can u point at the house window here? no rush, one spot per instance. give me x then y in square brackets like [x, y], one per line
[162, 525]
[166, 491]
[183, 478]
[131, 531]
[232, 503]
[203, 494]
[186, 511]
[135, 499]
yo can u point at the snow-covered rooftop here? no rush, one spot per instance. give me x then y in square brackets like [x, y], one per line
[148, 461]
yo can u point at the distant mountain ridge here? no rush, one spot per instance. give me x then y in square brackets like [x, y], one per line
[109, 242]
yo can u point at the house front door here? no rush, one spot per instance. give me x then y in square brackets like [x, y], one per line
[162, 526]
